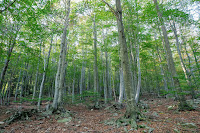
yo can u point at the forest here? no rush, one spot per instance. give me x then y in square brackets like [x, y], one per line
[95, 66]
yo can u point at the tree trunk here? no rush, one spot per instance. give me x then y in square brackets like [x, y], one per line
[138, 59]
[36, 76]
[10, 49]
[46, 63]
[73, 84]
[95, 61]
[170, 61]
[82, 80]
[59, 81]
[131, 109]
[161, 68]
[18, 84]
[121, 92]
[186, 72]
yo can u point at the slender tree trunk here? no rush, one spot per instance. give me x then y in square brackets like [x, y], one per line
[122, 89]
[195, 58]
[23, 83]
[46, 63]
[18, 84]
[59, 81]
[95, 61]
[113, 88]
[186, 72]
[2, 76]
[82, 79]
[36, 76]
[161, 68]
[89, 79]
[189, 61]
[73, 84]
[170, 60]
[138, 59]
[106, 79]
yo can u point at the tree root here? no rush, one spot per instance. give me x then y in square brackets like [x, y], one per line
[21, 115]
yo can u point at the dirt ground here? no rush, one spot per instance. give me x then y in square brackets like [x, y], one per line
[160, 119]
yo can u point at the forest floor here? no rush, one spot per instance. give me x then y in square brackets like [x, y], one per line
[161, 117]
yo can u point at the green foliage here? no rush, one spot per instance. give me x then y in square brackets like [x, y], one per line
[29, 99]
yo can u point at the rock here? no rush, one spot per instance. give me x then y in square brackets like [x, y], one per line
[143, 105]
[144, 131]
[171, 107]
[197, 101]
[1, 122]
[47, 107]
[65, 120]
[115, 114]
[67, 114]
[176, 130]
[150, 130]
[48, 112]
[109, 122]
[8, 112]
[189, 125]
[194, 103]
[155, 114]
[142, 126]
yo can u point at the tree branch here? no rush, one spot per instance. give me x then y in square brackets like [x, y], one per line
[113, 10]
[8, 6]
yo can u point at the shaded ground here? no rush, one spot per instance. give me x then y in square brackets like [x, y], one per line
[159, 119]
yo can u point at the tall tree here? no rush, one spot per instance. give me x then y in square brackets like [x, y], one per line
[183, 105]
[59, 81]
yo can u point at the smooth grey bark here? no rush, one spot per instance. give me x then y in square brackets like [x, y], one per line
[195, 58]
[109, 79]
[189, 61]
[170, 60]
[46, 63]
[36, 76]
[105, 88]
[106, 82]
[113, 88]
[156, 76]
[82, 79]
[138, 59]
[73, 84]
[131, 109]
[23, 83]
[185, 70]
[161, 68]
[18, 84]
[59, 81]
[121, 88]
[95, 58]
[89, 79]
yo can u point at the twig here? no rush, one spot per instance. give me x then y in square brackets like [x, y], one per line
[8, 6]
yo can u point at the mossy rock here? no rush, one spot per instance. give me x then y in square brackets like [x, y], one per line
[65, 120]
[189, 125]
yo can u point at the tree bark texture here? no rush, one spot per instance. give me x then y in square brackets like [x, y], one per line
[59, 81]
[131, 110]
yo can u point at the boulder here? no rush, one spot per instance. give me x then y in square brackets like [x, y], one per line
[189, 125]
[65, 120]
